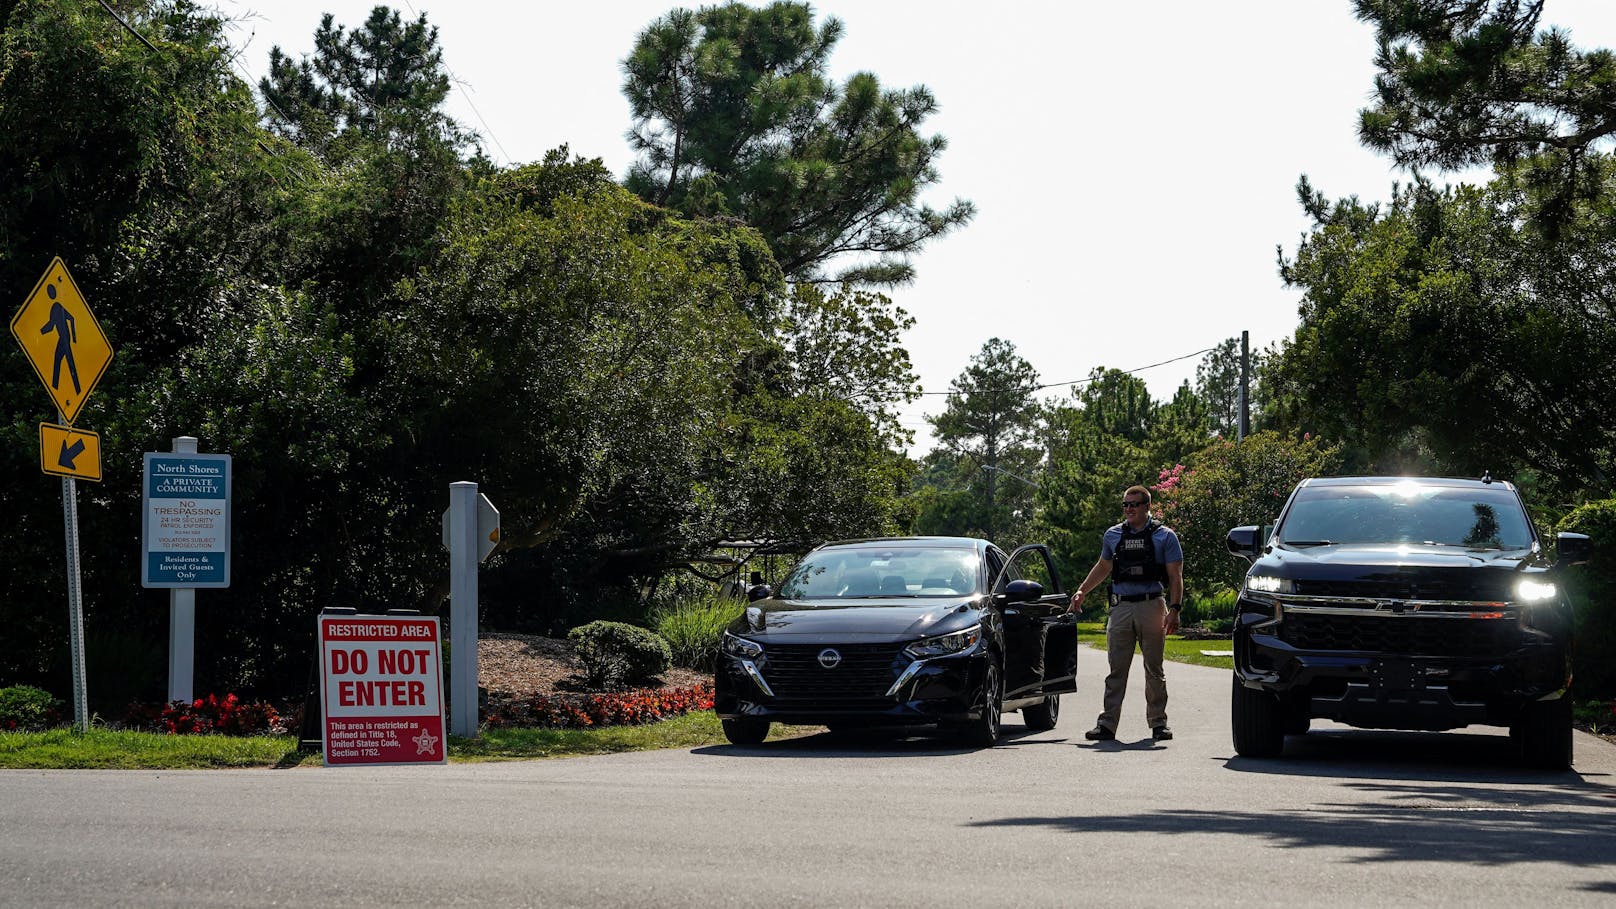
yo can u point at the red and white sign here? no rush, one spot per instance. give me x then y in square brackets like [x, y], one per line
[381, 690]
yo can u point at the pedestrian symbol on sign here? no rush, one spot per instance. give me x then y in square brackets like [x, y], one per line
[67, 335]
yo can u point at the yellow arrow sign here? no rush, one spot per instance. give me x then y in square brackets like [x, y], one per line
[68, 452]
[62, 339]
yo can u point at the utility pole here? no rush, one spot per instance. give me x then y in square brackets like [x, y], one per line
[1245, 387]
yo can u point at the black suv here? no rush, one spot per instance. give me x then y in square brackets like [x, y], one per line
[1403, 603]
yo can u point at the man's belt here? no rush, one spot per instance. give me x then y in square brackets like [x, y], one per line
[1138, 597]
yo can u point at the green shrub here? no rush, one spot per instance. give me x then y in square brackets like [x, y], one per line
[1210, 611]
[1593, 595]
[616, 655]
[24, 708]
[693, 628]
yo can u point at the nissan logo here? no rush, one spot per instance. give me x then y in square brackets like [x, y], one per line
[829, 658]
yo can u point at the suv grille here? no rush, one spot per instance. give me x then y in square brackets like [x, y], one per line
[1411, 635]
[861, 680]
[1401, 589]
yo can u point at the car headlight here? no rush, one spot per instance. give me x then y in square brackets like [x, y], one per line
[740, 647]
[1531, 591]
[945, 644]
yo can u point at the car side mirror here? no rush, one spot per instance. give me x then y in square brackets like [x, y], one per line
[1245, 541]
[1021, 591]
[758, 592]
[1572, 549]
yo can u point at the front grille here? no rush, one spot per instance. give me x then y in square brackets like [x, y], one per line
[1401, 589]
[861, 680]
[1409, 635]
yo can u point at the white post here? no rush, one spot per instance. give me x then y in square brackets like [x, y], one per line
[463, 716]
[182, 621]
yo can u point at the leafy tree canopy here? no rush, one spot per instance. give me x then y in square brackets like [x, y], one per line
[991, 420]
[1438, 332]
[1475, 82]
[734, 115]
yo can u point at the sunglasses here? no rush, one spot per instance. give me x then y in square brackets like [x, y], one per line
[1127, 504]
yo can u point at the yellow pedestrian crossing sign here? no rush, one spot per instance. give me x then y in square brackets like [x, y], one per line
[62, 339]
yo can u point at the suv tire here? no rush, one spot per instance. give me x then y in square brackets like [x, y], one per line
[1255, 720]
[1544, 731]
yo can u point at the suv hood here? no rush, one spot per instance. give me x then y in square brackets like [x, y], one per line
[1403, 570]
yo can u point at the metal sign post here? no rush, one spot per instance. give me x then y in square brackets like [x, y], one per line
[470, 533]
[75, 604]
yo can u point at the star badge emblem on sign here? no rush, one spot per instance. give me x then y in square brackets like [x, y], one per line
[425, 743]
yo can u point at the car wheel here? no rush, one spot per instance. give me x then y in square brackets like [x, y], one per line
[1255, 720]
[1544, 731]
[1046, 715]
[983, 732]
[1043, 716]
[746, 732]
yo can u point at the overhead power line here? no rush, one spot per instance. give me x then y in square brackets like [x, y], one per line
[1073, 381]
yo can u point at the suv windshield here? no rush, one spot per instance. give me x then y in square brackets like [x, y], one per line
[868, 572]
[1411, 513]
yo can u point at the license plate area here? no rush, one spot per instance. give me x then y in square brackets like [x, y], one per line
[1396, 675]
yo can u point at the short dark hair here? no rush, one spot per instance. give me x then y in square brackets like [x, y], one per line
[1138, 490]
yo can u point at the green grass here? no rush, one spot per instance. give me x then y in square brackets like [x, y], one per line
[1177, 650]
[104, 749]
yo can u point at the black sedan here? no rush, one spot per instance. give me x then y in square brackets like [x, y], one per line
[913, 631]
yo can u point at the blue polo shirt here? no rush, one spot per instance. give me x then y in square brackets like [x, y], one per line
[1167, 550]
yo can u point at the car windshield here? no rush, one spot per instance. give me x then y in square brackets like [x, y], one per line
[1407, 513]
[861, 572]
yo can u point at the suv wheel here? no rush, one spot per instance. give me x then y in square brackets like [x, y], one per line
[1544, 731]
[746, 732]
[1255, 720]
[983, 732]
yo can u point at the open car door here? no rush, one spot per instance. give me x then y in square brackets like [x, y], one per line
[1040, 635]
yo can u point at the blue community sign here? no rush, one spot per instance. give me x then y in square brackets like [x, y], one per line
[186, 520]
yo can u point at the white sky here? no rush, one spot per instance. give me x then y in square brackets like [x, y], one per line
[1133, 164]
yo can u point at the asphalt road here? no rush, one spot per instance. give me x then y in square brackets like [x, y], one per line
[1347, 818]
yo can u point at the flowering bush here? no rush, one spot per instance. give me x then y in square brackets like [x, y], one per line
[227, 716]
[25, 708]
[645, 705]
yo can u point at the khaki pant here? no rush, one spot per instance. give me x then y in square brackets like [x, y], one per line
[1138, 624]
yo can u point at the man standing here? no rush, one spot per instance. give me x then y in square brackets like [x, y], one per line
[1146, 565]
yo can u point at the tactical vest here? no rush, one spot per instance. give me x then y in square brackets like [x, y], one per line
[1136, 556]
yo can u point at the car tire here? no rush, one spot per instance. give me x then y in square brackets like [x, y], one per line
[1544, 731]
[1043, 717]
[1254, 717]
[983, 732]
[746, 732]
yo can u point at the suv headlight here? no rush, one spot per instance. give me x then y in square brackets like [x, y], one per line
[945, 644]
[1264, 588]
[1533, 591]
[740, 647]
